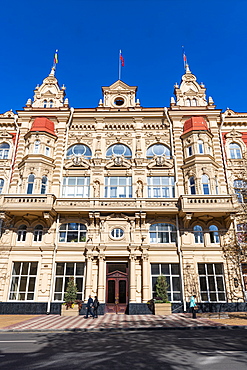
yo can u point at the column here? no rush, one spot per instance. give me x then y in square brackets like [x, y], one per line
[101, 278]
[89, 285]
[145, 277]
[132, 295]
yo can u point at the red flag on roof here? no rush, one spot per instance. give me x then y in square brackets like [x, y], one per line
[121, 58]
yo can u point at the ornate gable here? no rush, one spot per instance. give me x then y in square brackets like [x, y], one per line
[119, 95]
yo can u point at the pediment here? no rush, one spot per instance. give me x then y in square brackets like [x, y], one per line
[234, 134]
[119, 216]
[119, 86]
[5, 135]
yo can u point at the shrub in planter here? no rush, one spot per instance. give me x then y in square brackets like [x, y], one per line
[161, 290]
[70, 294]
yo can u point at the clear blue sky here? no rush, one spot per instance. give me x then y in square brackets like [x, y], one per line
[89, 34]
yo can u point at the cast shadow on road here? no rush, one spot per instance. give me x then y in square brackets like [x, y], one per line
[164, 349]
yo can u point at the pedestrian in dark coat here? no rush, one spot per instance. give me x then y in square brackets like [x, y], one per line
[95, 306]
[89, 307]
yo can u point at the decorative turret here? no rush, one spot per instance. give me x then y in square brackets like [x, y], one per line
[49, 94]
[190, 93]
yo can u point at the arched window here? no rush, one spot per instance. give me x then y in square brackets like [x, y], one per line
[240, 188]
[194, 102]
[21, 233]
[36, 147]
[72, 233]
[43, 185]
[187, 102]
[192, 185]
[51, 104]
[200, 147]
[1, 185]
[162, 233]
[198, 234]
[158, 150]
[235, 151]
[37, 234]
[4, 151]
[205, 185]
[45, 103]
[30, 183]
[118, 150]
[78, 150]
[214, 234]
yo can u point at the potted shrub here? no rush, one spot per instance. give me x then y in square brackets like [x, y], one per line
[162, 305]
[70, 306]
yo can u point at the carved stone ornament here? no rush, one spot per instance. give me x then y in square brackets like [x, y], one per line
[233, 134]
[77, 162]
[117, 162]
[160, 161]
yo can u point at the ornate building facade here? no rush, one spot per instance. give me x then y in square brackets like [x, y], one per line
[119, 194]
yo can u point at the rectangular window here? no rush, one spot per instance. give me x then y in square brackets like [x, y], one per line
[161, 187]
[23, 281]
[172, 274]
[212, 286]
[190, 150]
[64, 270]
[118, 187]
[75, 187]
[47, 151]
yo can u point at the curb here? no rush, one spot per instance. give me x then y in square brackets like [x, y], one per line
[73, 330]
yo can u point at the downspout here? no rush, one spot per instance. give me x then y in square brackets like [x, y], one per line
[14, 153]
[180, 255]
[239, 263]
[66, 144]
[53, 267]
[224, 154]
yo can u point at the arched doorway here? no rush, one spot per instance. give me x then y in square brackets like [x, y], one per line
[117, 287]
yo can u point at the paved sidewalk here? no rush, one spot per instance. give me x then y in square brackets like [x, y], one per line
[110, 322]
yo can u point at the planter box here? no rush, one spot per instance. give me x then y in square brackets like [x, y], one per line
[162, 308]
[70, 311]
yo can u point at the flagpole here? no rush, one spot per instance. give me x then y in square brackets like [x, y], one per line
[119, 65]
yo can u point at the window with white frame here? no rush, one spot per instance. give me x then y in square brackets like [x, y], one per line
[118, 187]
[200, 146]
[214, 234]
[192, 185]
[65, 270]
[117, 233]
[161, 187]
[30, 184]
[75, 187]
[36, 147]
[72, 233]
[235, 151]
[23, 280]
[22, 233]
[242, 234]
[172, 274]
[44, 183]
[162, 233]
[158, 150]
[37, 233]
[198, 234]
[211, 278]
[4, 151]
[1, 185]
[45, 103]
[79, 150]
[205, 185]
[240, 189]
[51, 104]
[118, 150]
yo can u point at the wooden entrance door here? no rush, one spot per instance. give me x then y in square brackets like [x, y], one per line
[116, 292]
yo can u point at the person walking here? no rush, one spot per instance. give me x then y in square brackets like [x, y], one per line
[95, 306]
[193, 305]
[89, 307]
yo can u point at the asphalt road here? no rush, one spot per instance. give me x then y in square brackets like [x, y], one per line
[209, 349]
